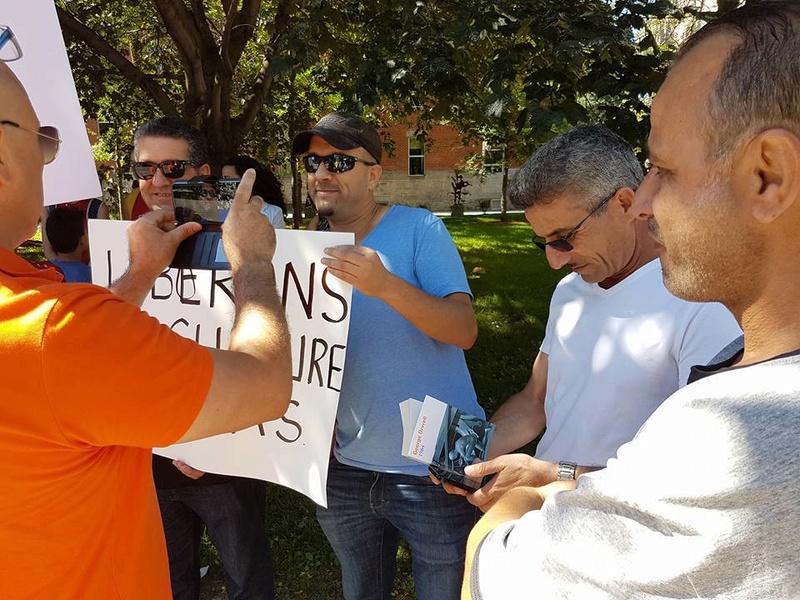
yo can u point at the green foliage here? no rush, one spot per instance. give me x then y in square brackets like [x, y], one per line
[250, 73]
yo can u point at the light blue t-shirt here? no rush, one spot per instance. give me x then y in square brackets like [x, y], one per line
[390, 360]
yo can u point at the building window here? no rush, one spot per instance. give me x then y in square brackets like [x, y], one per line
[416, 155]
[493, 158]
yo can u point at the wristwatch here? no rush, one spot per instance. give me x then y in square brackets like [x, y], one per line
[566, 471]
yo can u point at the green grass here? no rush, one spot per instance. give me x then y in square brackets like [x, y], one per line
[512, 285]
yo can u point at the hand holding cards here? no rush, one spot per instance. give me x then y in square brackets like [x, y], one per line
[445, 438]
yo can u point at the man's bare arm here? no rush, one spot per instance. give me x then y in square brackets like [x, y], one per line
[450, 320]
[521, 418]
[252, 381]
[512, 471]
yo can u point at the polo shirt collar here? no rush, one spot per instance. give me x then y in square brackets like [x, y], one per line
[16, 266]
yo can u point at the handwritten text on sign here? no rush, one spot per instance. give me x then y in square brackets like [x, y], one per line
[198, 304]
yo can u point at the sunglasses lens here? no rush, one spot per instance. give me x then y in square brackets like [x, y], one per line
[311, 163]
[144, 170]
[339, 163]
[173, 169]
[335, 163]
[49, 142]
[561, 245]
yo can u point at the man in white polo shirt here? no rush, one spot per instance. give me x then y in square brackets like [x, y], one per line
[617, 343]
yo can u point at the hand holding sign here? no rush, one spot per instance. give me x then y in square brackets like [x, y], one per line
[359, 266]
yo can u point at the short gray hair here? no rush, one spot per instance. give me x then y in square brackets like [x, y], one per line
[177, 129]
[589, 161]
[758, 87]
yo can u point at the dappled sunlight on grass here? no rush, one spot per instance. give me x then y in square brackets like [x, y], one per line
[512, 284]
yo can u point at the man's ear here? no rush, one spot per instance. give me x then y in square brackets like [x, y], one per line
[624, 197]
[375, 172]
[204, 170]
[768, 168]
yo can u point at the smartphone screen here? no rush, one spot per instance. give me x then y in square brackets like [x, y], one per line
[204, 200]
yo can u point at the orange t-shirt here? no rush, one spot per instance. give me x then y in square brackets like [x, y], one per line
[88, 385]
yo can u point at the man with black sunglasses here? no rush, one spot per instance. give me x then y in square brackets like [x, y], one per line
[232, 509]
[617, 343]
[78, 514]
[411, 320]
[165, 150]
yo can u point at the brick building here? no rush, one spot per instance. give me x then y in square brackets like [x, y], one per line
[418, 174]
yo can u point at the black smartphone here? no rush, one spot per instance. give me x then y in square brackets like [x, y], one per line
[204, 200]
[457, 479]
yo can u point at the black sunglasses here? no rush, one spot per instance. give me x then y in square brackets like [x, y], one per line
[49, 141]
[171, 169]
[334, 163]
[561, 243]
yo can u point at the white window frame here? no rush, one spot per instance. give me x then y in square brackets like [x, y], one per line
[487, 150]
[420, 158]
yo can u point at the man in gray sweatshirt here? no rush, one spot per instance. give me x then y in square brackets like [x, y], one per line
[703, 501]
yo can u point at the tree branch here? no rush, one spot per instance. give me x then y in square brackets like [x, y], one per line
[263, 81]
[126, 68]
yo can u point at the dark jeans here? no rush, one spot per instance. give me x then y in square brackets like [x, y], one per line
[368, 512]
[234, 516]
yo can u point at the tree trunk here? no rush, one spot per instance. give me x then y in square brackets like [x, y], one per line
[297, 196]
[724, 6]
[504, 188]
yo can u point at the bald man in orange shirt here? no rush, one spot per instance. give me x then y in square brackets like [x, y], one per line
[78, 512]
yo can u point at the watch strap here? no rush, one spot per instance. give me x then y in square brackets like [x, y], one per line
[566, 471]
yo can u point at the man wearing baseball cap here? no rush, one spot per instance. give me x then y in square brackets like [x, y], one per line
[411, 320]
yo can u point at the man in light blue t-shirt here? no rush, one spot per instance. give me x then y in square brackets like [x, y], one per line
[411, 320]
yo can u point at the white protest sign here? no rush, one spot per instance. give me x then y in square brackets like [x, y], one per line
[45, 72]
[198, 304]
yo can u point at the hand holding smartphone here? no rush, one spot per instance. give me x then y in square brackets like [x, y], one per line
[459, 480]
[204, 200]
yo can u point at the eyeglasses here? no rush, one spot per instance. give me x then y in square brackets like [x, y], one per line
[335, 163]
[562, 243]
[171, 169]
[49, 141]
[9, 47]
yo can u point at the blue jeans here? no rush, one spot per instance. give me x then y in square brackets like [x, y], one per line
[368, 512]
[234, 516]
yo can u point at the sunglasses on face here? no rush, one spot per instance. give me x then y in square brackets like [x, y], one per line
[49, 141]
[334, 163]
[171, 169]
[562, 243]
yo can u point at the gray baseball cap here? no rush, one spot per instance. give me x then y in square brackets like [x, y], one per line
[343, 131]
